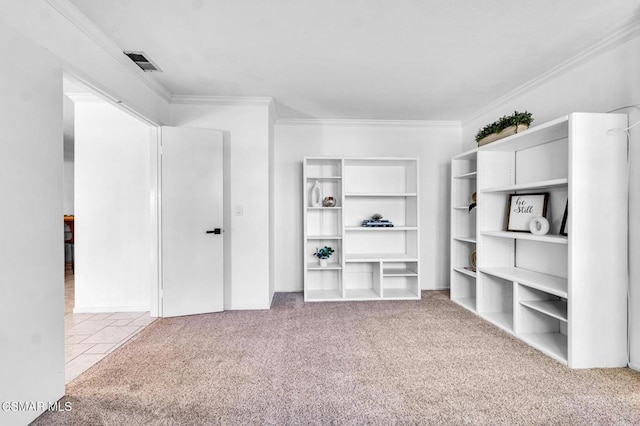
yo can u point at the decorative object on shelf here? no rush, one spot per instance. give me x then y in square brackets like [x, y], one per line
[565, 220]
[521, 208]
[376, 221]
[315, 196]
[472, 259]
[329, 202]
[503, 127]
[473, 201]
[324, 254]
[539, 225]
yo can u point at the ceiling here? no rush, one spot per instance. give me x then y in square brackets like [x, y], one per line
[358, 59]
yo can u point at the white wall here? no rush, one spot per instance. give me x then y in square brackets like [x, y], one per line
[31, 255]
[272, 205]
[434, 144]
[113, 224]
[67, 180]
[601, 84]
[246, 129]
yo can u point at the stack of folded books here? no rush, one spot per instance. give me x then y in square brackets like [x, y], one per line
[370, 223]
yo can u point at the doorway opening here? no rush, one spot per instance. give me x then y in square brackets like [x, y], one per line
[110, 236]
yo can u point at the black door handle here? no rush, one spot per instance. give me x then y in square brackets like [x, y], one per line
[215, 231]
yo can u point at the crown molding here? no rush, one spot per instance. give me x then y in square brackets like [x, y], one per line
[83, 97]
[362, 122]
[616, 39]
[222, 100]
[87, 27]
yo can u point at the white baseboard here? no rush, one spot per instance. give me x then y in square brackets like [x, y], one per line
[247, 307]
[634, 367]
[107, 309]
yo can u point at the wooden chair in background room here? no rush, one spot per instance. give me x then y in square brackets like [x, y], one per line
[69, 255]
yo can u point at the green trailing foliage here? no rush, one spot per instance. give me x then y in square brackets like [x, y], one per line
[507, 121]
[324, 253]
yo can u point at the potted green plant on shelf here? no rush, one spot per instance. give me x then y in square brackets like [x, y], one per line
[503, 127]
[324, 254]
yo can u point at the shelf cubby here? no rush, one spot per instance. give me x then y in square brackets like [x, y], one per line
[321, 167]
[363, 280]
[400, 280]
[323, 284]
[496, 302]
[464, 291]
[324, 221]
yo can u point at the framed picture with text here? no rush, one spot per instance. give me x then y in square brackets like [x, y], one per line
[521, 208]
[565, 221]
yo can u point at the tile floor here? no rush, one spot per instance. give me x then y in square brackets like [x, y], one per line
[91, 337]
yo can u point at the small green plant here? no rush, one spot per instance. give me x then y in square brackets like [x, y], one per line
[324, 253]
[506, 121]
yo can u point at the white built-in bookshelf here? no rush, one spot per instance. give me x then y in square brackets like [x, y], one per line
[369, 263]
[565, 295]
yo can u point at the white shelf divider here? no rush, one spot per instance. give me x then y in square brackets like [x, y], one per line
[380, 194]
[324, 177]
[465, 271]
[554, 308]
[381, 229]
[402, 272]
[556, 239]
[547, 184]
[329, 267]
[544, 282]
[380, 257]
[466, 239]
[469, 175]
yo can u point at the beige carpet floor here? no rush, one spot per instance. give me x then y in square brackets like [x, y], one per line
[397, 362]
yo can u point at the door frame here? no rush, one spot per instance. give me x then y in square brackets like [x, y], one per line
[155, 187]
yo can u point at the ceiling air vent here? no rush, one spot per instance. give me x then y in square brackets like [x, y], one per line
[141, 60]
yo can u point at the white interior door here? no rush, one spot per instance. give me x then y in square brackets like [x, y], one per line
[192, 241]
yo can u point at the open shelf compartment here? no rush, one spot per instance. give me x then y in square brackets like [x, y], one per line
[323, 284]
[381, 177]
[363, 281]
[400, 280]
[496, 301]
[323, 168]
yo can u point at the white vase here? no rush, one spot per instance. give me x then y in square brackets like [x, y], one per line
[323, 263]
[539, 225]
[315, 196]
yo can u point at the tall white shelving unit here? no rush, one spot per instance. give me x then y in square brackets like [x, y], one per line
[464, 173]
[368, 263]
[564, 295]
